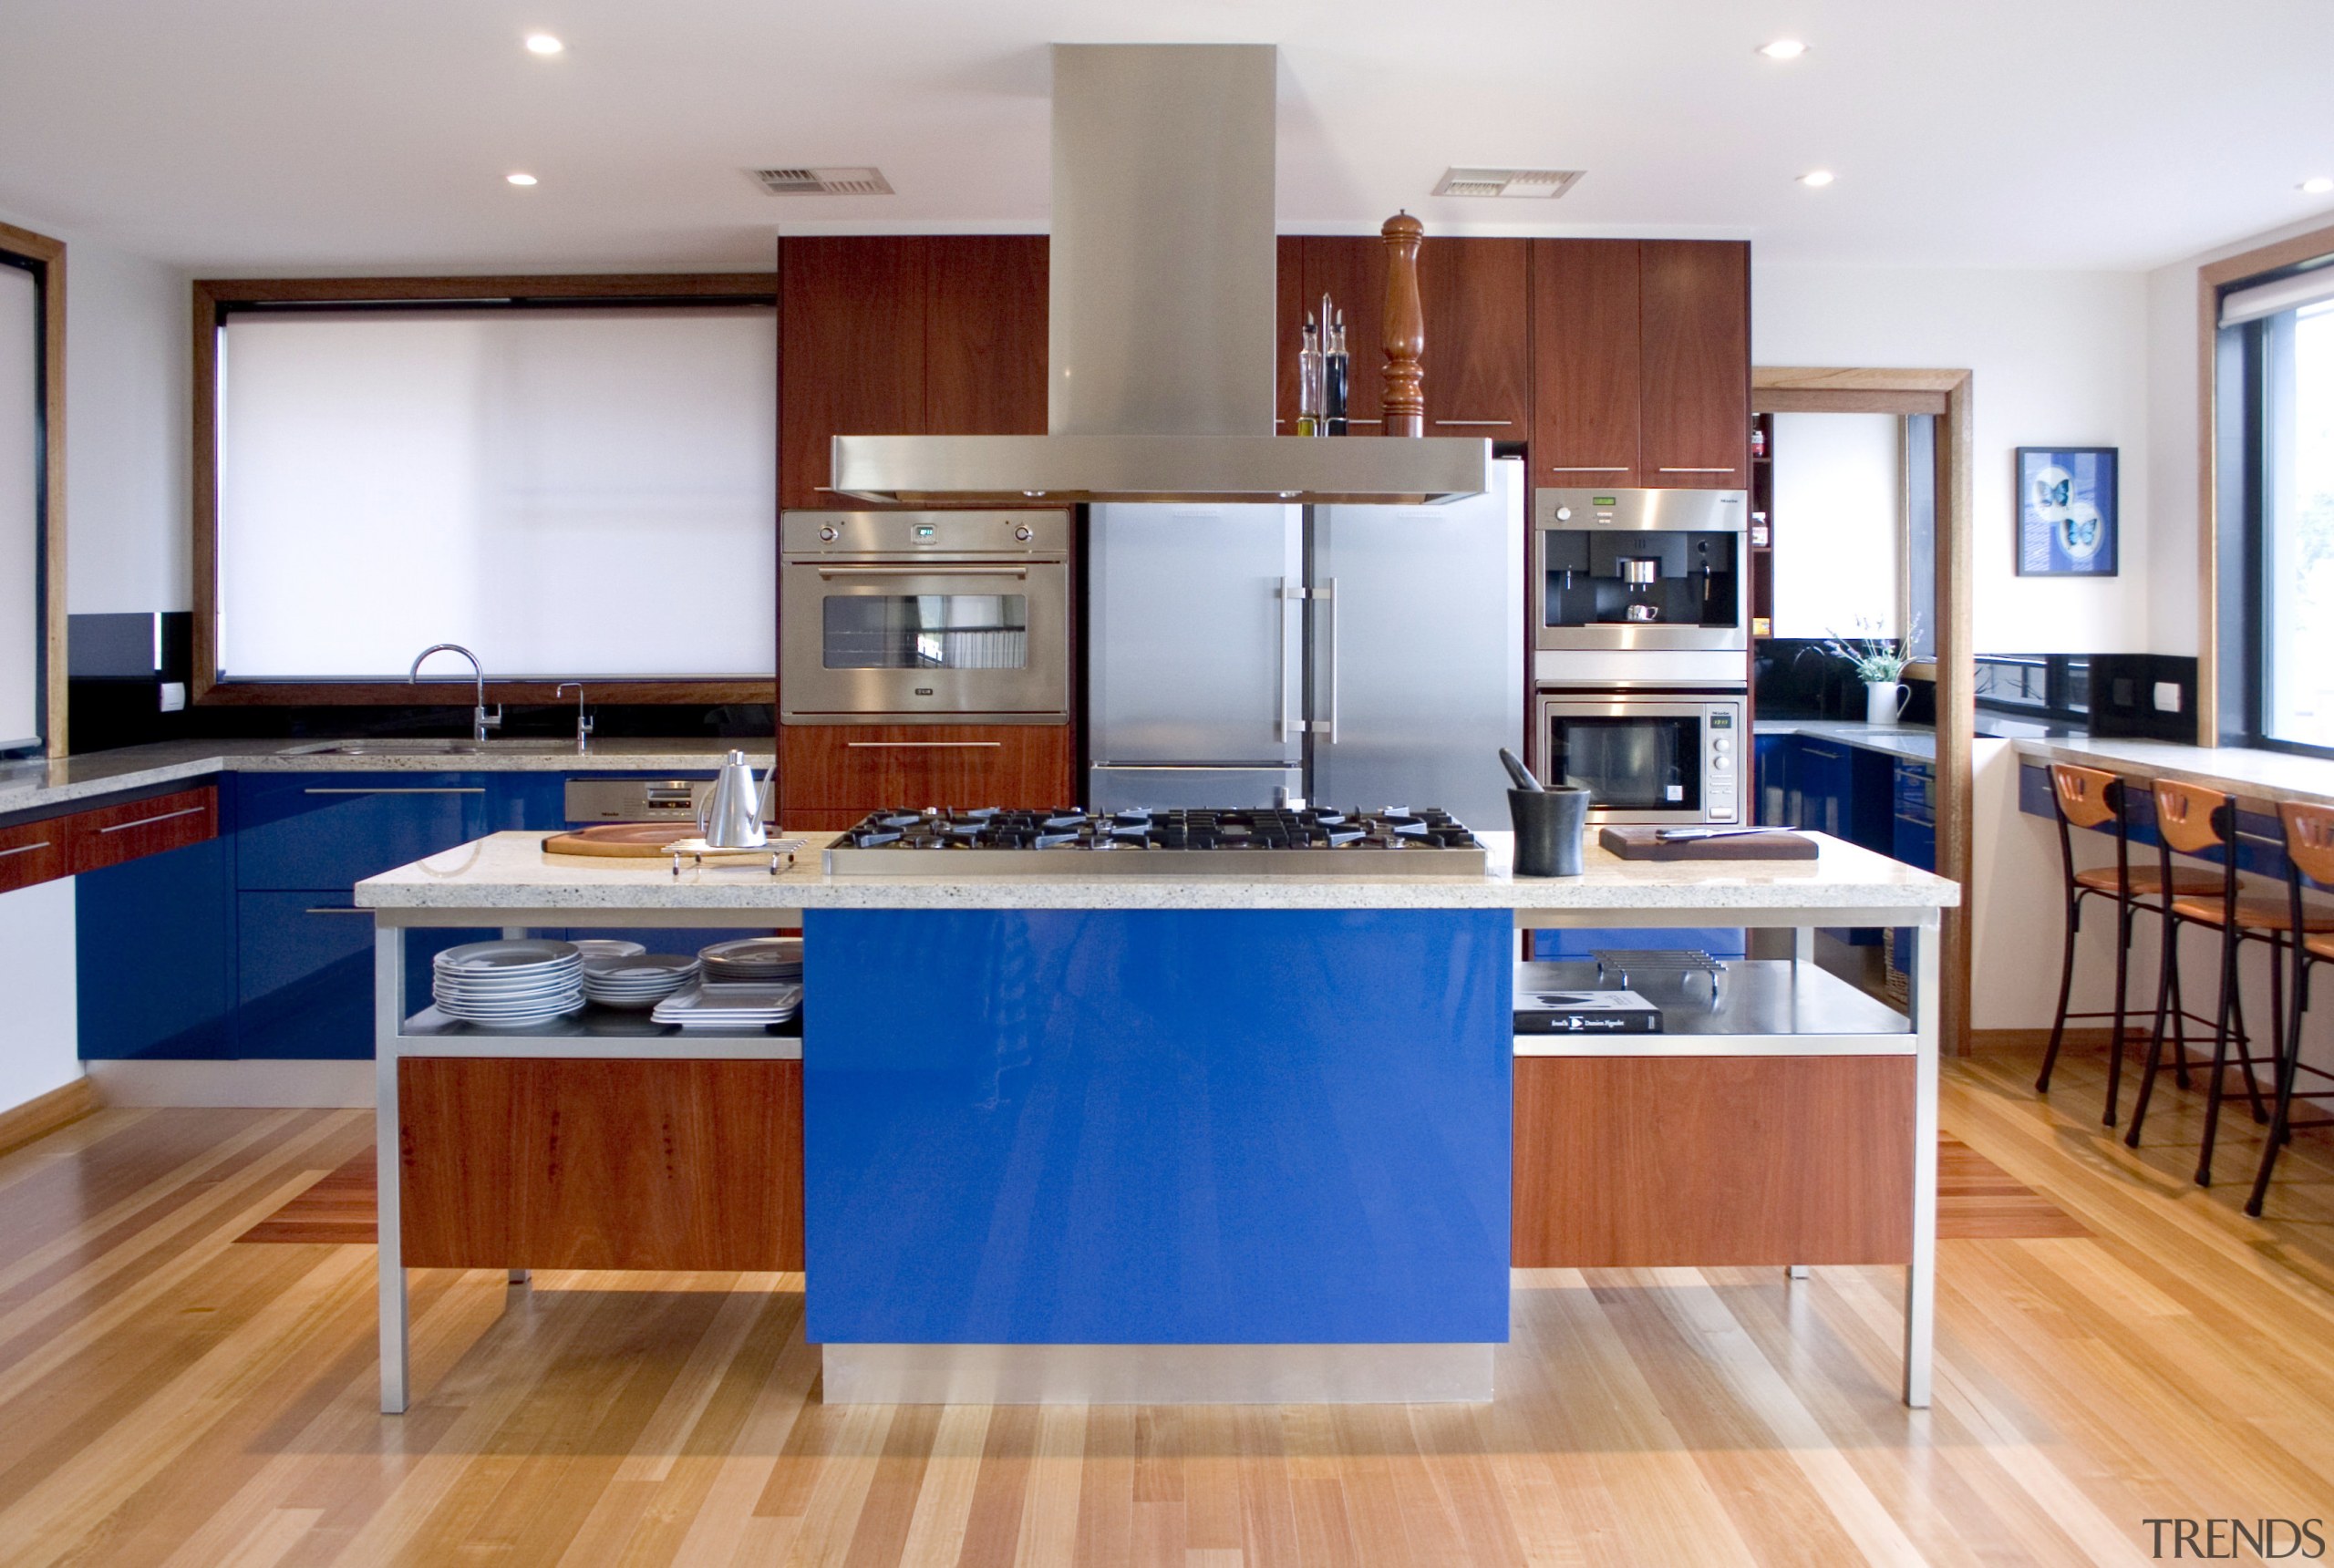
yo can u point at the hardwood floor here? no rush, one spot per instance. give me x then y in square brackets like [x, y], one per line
[169, 1398]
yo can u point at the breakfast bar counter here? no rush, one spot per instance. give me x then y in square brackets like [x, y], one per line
[1154, 1136]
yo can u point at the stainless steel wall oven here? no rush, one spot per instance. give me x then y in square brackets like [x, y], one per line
[930, 617]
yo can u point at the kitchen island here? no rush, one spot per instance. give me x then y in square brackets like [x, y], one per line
[1160, 1137]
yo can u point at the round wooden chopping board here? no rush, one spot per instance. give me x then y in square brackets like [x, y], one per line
[620, 841]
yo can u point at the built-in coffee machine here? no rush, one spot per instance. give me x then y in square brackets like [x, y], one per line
[1640, 569]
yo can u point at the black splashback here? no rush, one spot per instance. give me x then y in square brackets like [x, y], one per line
[2126, 690]
[1793, 677]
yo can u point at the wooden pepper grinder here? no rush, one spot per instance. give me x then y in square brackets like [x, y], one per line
[1405, 318]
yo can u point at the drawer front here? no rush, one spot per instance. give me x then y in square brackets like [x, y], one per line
[1712, 1161]
[35, 852]
[331, 831]
[304, 974]
[156, 956]
[855, 769]
[112, 834]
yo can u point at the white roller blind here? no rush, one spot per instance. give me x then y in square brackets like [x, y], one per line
[2314, 286]
[21, 633]
[584, 492]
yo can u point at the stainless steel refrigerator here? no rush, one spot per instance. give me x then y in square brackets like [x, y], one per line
[1350, 656]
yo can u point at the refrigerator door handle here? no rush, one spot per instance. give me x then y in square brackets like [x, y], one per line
[1328, 596]
[1290, 589]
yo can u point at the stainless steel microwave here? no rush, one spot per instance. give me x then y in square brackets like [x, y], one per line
[1675, 757]
[924, 617]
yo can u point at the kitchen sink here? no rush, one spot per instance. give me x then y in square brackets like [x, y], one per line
[429, 747]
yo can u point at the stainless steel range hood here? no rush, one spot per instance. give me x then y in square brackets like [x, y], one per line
[1161, 340]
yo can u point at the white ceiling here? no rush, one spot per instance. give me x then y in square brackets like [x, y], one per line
[288, 134]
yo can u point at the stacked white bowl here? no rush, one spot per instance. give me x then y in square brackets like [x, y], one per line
[510, 983]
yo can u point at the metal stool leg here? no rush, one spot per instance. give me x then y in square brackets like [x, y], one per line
[2124, 914]
[2167, 988]
[2281, 1121]
[2066, 991]
[2229, 1004]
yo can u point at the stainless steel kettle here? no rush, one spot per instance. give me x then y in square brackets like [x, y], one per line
[730, 815]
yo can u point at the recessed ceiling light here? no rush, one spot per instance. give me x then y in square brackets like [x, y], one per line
[1819, 178]
[543, 44]
[1783, 50]
[2319, 186]
[519, 179]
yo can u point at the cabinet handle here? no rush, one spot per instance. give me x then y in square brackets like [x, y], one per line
[149, 821]
[1562, 469]
[24, 849]
[1727, 470]
[922, 569]
[389, 790]
[337, 909]
[1473, 422]
[922, 745]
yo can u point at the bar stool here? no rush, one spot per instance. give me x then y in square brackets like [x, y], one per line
[2310, 856]
[2086, 797]
[2193, 821]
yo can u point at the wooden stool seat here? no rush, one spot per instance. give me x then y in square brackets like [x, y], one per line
[2148, 882]
[2255, 912]
[2319, 946]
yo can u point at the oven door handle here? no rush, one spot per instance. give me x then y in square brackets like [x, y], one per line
[920, 568]
[1290, 590]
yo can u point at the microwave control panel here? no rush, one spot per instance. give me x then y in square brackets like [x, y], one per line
[1721, 760]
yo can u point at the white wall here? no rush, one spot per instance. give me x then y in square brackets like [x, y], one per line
[2058, 357]
[126, 427]
[1835, 504]
[39, 1046]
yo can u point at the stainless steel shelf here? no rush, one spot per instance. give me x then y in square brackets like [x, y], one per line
[603, 1032]
[1762, 1008]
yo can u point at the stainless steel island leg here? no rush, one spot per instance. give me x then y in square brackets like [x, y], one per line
[389, 1002]
[1920, 1275]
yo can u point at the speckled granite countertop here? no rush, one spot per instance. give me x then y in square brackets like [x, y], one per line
[509, 872]
[1913, 743]
[2239, 770]
[36, 785]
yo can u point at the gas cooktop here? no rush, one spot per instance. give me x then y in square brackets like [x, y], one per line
[1393, 842]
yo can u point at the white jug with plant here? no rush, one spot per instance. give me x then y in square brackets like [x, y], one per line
[1879, 662]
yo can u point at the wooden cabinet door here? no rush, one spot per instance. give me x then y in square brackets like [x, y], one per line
[1288, 317]
[1584, 373]
[851, 352]
[1351, 270]
[860, 768]
[1477, 295]
[985, 335]
[1695, 388]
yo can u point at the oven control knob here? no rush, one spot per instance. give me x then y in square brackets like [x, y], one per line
[828, 533]
[1022, 534]
[1722, 744]
[1722, 764]
[1564, 514]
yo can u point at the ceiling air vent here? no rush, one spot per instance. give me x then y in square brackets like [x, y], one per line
[822, 182]
[1543, 182]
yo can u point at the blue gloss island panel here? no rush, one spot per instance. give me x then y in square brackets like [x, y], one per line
[1157, 1127]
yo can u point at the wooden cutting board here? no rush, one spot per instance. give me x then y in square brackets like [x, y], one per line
[620, 841]
[1638, 843]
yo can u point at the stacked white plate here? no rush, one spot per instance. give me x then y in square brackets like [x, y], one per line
[637, 980]
[730, 1007]
[753, 961]
[511, 983]
[592, 947]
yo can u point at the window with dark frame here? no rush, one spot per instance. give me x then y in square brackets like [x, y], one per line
[2276, 393]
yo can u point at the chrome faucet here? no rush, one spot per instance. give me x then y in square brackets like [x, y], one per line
[481, 720]
[582, 719]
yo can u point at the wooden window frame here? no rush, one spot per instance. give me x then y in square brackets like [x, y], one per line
[2212, 279]
[48, 255]
[212, 298]
[1946, 395]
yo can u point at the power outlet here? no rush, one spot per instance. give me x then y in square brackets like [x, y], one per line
[173, 697]
[2167, 697]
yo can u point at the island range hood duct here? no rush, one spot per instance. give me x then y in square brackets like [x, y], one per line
[1161, 339]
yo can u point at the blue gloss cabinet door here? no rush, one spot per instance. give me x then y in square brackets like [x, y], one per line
[1156, 1127]
[156, 956]
[331, 831]
[305, 979]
